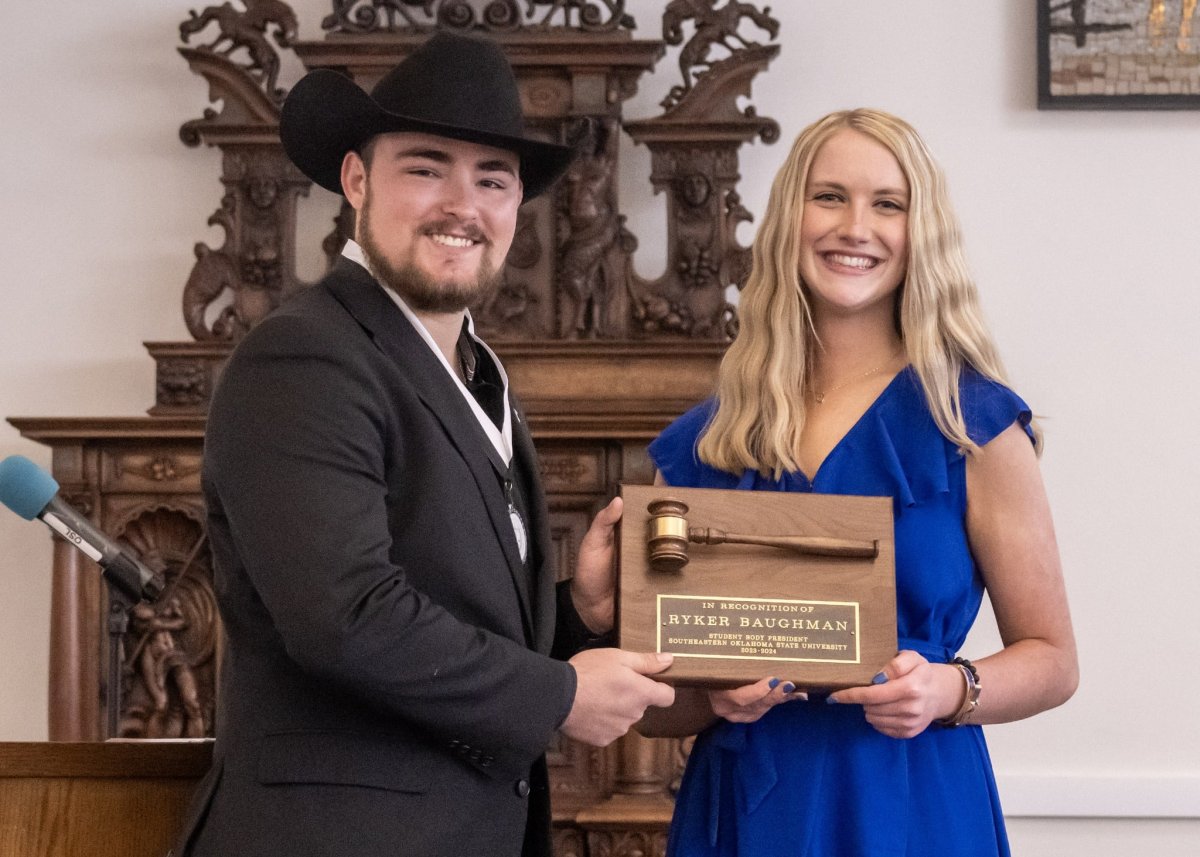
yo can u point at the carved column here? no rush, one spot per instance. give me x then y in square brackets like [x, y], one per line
[74, 647]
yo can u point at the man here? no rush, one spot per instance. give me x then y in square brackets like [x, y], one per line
[377, 523]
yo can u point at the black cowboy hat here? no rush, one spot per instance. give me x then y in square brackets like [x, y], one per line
[451, 86]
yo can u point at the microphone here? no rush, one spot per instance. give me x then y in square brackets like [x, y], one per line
[33, 493]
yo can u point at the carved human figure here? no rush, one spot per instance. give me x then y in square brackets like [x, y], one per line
[510, 309]
[248, 269]
[694, 189]
[594, 226]
[260, 268]
[160, 660]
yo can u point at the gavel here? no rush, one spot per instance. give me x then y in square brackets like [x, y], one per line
[669, 535]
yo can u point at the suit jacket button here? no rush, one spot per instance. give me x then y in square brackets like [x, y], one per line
[486, 761]
[522, 788]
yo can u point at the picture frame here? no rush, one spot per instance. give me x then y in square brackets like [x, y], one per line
[1118, 54]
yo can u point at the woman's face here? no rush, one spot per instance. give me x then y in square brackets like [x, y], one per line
[854, 228]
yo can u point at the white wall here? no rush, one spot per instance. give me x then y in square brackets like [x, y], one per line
[1081, 230]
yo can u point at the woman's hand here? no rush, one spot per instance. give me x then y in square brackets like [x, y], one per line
[909, 694]
[749, 702]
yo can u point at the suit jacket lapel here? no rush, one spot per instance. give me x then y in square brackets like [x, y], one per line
[525, 464]
[395, 336]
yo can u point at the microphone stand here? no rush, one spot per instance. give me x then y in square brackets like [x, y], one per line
[119, 605]
[126, 587]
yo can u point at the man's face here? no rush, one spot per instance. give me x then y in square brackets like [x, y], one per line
[436, 216]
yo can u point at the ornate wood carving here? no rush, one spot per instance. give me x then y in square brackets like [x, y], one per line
[627, 843]
[232, 288]
[495, 16]
[171, 648]
[569, 842]
[680, 750]
[186, 373]
[594, 245]
[569, 276]
[694, 160]
[714, 25]
[247, 29]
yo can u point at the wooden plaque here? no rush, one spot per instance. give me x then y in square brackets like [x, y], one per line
[820, 613]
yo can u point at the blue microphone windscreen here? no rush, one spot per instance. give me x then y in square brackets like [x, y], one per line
[24, 487]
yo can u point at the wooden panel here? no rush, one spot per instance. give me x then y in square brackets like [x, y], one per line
[616, 381]
[151, 469]
[98, 800]
[579, 775]
[572, 470]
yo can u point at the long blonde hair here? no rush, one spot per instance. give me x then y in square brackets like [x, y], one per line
[766, 373]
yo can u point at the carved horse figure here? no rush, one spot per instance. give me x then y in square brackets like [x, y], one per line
[247, 29]
[713, 27]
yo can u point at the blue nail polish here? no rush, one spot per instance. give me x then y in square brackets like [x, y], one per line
[789, 687]
[880, 678]
[829, 700]
[773, 683]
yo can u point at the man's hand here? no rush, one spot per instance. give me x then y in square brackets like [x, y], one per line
[594, 583]
[613, 692]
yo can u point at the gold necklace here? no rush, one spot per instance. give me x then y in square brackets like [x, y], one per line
[819, 397]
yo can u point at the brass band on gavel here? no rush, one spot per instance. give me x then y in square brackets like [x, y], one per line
[669, 535]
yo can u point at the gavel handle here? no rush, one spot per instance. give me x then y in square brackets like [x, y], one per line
[815, 545]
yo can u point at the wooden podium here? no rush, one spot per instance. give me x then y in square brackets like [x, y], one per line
[113, 799]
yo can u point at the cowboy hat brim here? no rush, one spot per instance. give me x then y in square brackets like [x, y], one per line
[327, 115]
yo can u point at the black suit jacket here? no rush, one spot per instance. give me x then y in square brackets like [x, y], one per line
[387, 687]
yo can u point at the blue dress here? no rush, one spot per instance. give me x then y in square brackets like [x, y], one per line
[816, 780]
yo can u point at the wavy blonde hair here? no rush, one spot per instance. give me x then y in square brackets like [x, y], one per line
[766, 373]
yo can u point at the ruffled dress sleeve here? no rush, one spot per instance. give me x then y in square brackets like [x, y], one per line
[989, 408]
[674, 452]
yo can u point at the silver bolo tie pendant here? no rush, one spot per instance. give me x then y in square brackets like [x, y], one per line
[518, 523]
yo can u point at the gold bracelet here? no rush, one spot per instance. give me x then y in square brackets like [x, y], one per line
[970, 699]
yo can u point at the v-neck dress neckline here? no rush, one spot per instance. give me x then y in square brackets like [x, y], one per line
[836, 448]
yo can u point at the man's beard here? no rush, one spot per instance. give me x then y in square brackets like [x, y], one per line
[421, 292]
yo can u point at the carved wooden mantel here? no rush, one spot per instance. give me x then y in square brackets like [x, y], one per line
[602, 358]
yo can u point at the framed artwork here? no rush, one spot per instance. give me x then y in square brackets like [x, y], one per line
[1118, 54]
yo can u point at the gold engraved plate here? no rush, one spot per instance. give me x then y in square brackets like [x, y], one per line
[758, 629]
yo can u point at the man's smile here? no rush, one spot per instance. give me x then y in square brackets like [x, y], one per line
[452, 240]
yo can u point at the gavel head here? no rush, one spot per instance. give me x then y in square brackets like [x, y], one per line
[667, 536]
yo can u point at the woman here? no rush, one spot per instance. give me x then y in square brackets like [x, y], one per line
[863, 367]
